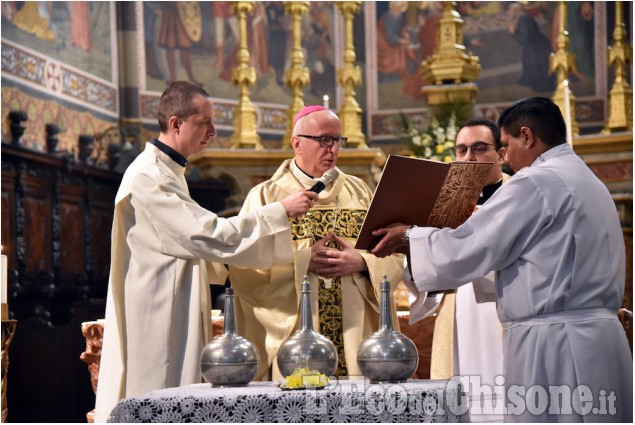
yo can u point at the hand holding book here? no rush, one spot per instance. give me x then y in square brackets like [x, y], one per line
[420, 192]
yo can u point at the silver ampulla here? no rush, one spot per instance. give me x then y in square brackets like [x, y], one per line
[307, 348]
[387, 355]
[230, 360]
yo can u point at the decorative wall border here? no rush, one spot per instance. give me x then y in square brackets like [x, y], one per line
[28, 67]
[52, 77]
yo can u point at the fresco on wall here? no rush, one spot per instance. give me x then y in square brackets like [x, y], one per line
[524, 35]
[64, 53]
[513, 41]
[402, 43]
[198, 41]
[77, 33]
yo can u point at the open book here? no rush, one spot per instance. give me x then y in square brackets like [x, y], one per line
[423, 192]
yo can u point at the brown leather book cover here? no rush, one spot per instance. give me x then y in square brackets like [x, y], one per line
[423, 192]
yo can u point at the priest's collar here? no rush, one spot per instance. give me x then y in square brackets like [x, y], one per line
[174, 155]
[488, 191]
[295, 168]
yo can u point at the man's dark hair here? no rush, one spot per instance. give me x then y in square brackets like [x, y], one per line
[493, 128]
[540, 114]
[176, 100]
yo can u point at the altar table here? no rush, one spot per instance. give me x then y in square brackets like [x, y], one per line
[342, 401]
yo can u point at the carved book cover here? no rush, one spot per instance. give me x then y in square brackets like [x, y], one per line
[425, 193]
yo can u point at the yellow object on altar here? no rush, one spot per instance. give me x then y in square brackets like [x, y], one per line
[304, 377]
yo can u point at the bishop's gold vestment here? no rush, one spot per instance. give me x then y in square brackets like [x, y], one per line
[268, 301]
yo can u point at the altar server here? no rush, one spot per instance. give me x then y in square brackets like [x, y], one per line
[163, 245]
[467, 339]
[553, 237]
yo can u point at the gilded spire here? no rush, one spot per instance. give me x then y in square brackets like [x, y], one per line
[562, 62]
[349, 77]
[621, 94]
[297, 76]
[245, 135]
[451, 70]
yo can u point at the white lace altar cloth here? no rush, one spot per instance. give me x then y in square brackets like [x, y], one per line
[341, 402]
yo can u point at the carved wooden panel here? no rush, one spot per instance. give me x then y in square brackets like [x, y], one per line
[102, 205]
[38, 211]
[71, 229]
[46, 369]
[7, 209]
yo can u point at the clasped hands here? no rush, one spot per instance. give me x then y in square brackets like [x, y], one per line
[332, 262]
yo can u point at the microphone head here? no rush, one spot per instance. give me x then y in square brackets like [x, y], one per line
[330, 176]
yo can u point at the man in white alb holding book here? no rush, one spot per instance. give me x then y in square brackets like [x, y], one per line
[467, 339]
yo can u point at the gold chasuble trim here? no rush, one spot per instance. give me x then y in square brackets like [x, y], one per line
[442, 361]
[318, 222]
[315, 224]
[330, 303]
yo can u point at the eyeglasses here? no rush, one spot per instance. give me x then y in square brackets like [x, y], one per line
[478, 148]
[327, 141]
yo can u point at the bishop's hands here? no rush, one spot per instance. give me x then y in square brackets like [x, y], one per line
[299, 202]
[392, 237]
[332, 262]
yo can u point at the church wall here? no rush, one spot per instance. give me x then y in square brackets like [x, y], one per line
[59, 65]
[69, 54]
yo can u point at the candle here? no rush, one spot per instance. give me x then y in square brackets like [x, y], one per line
[3, 276]
[326, 100]
[567, 112]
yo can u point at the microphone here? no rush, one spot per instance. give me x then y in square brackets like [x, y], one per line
[325, 181]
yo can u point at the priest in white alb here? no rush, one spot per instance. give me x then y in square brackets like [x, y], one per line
[468, 339]
[167, 249]
[553, 237]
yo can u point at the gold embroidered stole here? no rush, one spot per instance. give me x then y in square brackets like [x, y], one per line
[316, 224]
[442, 356]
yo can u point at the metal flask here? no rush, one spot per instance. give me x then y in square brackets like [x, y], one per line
[387, 355]
[307, 348]
[229, 360]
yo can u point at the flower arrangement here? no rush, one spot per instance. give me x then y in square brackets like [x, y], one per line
[437, 141]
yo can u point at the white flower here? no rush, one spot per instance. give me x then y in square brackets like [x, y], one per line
[439, 134]
[435, 142]
[451, 133]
